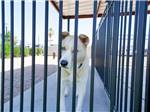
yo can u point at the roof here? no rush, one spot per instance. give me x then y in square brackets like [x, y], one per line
[85, 8]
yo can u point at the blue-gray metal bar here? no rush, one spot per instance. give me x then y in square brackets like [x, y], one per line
[12, 54]
[106, 55]
[139, 59]
[93, 56]
[33, 54]
[114, 54]
[75, 57]
[127, 60]
[147, 93]
[59, 56]
[68, 25]
[45, 57]
[108, 51]
[119, 60]
[133, 57]
[3, 56]
[123, 57]
[22, 55]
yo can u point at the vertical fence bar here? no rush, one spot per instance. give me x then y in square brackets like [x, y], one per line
[75, 57]
[59, 56]
[133, 57]
[127, 61]
[107, 71]
[114, 54]
[33, 54]
[45, 57]
[105, 64]
[68, 25]
[22, 55]
[119, 61]
[93, 56]
[139, 60]
[147, 93]
[106, 53]
[123, 56]
[11, 53]
[3, 56]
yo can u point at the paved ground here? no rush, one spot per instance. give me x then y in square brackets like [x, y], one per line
[39, 73]
[101, 102]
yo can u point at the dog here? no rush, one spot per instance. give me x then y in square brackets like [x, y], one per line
[66, 64]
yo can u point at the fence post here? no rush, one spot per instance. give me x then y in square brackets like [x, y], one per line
[2, 78]
[33, 54]
[22, 55]
[45, 57]
[12, 54]
[123, 57]
[115, 35]
[139, 59]
[108, 51]
[119, 61]
[75, 56]
[93, 56]
[147, 93]
[127, 60]
[68, 24]
[59, 56]
[133, 57]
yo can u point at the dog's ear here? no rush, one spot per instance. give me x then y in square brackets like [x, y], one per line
[64, 34]
[84, 39]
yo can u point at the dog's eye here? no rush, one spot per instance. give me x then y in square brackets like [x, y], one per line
[63, 48]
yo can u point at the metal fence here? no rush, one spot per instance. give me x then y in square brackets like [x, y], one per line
[123, 75]
[126, 77]
[32, 103]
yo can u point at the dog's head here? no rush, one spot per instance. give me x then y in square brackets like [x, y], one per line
[66, 61]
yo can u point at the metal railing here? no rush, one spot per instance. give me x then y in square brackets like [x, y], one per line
[124, 74]
[123, 82]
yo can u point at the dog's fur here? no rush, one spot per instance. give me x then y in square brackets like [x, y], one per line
[67, 71]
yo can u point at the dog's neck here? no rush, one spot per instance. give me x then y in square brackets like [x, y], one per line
[83, 64]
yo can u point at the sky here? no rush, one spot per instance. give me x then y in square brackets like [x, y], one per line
[84, 27]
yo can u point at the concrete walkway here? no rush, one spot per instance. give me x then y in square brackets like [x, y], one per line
[101, 102]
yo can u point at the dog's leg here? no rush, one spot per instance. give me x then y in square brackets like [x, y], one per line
[67, 88]
[62, 100]
[80, 98]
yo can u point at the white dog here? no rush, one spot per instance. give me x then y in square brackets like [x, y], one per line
[66, 63]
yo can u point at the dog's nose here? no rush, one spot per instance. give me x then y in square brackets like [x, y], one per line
[64, 63]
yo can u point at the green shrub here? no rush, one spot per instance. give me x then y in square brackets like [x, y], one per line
[30, 51]
[26, 51]
[7, 49]
[17, 51]
[39, 51]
